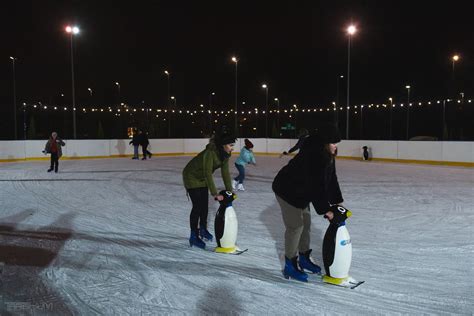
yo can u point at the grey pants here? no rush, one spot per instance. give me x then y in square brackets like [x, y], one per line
[298, 227]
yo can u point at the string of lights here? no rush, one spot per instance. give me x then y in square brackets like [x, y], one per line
[124, 108]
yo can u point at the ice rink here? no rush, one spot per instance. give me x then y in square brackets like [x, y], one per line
[110, 236]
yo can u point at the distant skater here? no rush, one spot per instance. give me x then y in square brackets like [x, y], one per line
[144, 141]
[246, 157]
[53, 146]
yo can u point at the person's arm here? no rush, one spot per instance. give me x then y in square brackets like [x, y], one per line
[47, 147]
[297, 146]
[252, 158]
[317, 181]
[207, 168]
[226, 175]
[335, 195]
[61, 142]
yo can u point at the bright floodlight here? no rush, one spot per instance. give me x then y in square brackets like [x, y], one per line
[351, 29]
[264, 86]
[213, 93]
[118, 84]
[455, 57]
[172, 98]
[72, 29]
[390, 99]
[12, 58]
[276, 99]
[234, 59]
[408, 87]
[166, 72]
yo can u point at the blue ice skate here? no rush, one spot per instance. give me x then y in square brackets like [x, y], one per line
[194, 240]
[291, 270]
[306, 263]
[205, 234]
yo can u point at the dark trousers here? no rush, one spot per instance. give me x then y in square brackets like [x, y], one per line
[240, 178]
[200, 199]
[54, 161]
[145, 151]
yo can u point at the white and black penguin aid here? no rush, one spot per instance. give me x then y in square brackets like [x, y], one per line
[226, 225]
[337, 250]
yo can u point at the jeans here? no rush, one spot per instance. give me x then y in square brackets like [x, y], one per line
[240, 178]
[135, 151]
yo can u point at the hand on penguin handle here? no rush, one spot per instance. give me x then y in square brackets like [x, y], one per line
[329, 215]
[218, 197]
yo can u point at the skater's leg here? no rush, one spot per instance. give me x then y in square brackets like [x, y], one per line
[194, 194]
[293, 220]
[305, 235]
[135, 151]
[240, 178]
[51, 166]
[204, 207]
[196, 198]
[56, 163]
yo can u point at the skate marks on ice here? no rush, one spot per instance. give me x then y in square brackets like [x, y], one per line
[27, 260]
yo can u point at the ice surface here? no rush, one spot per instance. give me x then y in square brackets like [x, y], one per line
[110, 236]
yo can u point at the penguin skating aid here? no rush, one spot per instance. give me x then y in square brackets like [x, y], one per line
[337, 250]
[226, 226]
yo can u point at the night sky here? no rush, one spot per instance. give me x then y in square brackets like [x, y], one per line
[298, 48]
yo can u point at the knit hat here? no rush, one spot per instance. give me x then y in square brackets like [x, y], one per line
[248, 143]
[225, 139]
[328, 134]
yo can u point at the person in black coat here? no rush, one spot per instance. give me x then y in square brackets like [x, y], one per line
[302, 135]
[144, 141]
[310, 177]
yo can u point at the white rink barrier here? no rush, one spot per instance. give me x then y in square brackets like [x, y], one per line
[453, 153]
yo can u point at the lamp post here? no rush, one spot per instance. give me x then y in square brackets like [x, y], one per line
[408, 109]
[90, 91]
[455, 58]
[264, 86]
[236, 61]
[390, 121]
[73, 30]
[350, 31]
[14, 96]
[118, 90]
[168, 101]
[278, 115]
[210, 112]
[336, 118]
[167, 73]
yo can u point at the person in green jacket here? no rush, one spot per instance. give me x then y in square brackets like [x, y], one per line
[198, 181]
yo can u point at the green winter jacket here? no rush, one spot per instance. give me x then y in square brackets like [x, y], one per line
[198, 172]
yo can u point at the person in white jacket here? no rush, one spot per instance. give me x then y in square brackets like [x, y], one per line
[246, 156]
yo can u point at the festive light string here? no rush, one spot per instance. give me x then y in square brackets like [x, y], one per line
[127, 109]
